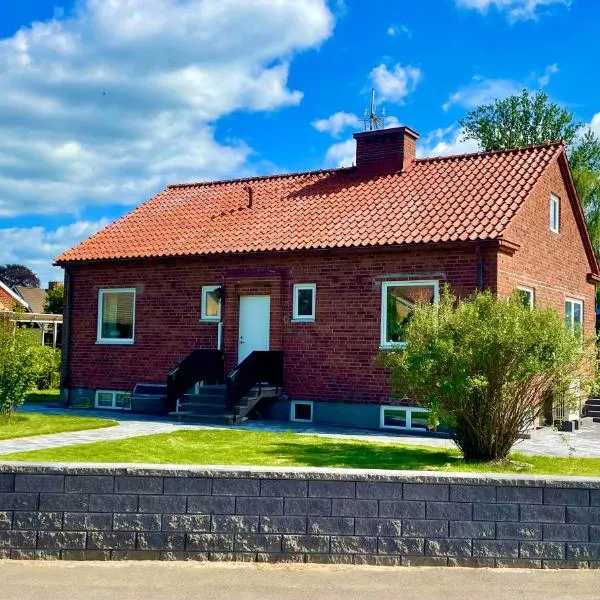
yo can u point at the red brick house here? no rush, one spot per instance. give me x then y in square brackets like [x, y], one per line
[10, 301]
[320, 269]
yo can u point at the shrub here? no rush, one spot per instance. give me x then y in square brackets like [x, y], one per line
[47, 367]
[484, 366]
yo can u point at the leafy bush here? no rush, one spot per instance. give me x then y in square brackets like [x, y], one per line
[484, 366]
[47, 367]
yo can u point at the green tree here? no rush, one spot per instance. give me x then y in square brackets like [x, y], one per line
[55, 299]
[484, 366]
[13, 275]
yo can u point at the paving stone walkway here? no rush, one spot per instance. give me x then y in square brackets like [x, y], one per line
[584, 443]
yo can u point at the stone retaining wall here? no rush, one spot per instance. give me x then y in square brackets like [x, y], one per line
[297, 515]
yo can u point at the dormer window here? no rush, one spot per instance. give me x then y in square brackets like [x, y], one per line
[554, 213]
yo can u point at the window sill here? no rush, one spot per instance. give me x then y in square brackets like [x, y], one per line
[115, 342]
[210, 319]
[303, 320]
[398, 346]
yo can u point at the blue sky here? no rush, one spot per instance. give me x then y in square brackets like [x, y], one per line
[104, 102]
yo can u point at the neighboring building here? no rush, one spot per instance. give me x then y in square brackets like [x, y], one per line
[10, 301]
[323, 267]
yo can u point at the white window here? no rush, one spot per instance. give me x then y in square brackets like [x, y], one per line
[116, 316]
[573, 314]
[526, 296]
[305, 301]
[404, 417]
[211, 303]
[398, 298]
[554, 213]
[112, 399]
[301, 411]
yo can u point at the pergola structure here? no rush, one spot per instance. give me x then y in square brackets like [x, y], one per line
[46, 322]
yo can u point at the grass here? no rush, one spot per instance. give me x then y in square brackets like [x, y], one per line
[26, 425]
[43, 396]
[230, 447]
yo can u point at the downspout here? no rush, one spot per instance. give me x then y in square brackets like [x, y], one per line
[220, 335]
[65, 374]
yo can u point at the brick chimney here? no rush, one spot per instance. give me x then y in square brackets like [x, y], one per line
[385, 150]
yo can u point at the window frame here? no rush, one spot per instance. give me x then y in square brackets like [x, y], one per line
[409, 410]
[293, 411]
[115, 341]
[296, 318]
[126, 406]
[574, 301]
[531, 292]
[203, 316]
[434, 283]
[554, 213]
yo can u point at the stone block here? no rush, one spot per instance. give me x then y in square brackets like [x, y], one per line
[387, 527]
[210, 542]
[565, 564]
[61, 540]
[519, 494]
[113, 503]
[188, 486]
[236, 487]
[259, 506]
[329, 559]
[35, 554]
[135, 555]
[6, 519]
[110, 540]
[234, 524]
[64, 502]
[211, 505]
[424, 561]
[595, 497]
[89, 484]
[566, 532]
[472, 529]
[594, 533]
[353, 544]
[186, 523]
[43, 521]
[495, 548]
[547, 550]
[346, 507]
[306, 543]
[318, 507]
[232, 556]
[472, 493]
[582, 514]
[421, 528]
[279, 557]
[404, 509]
[537, 513]
[426, 491]
[456, 511]
[377, 560]
[128, 484]
[196, 556]
[17, 539]
[283, 487]
[447, 547]
[136, 522]
[332, 489]
[97, 555]
[582, 551]
[472, 563]
[87, 521]
[162, 504]
[495, 512]
[39, 483]
[283, 524]
[567, 496]
[403, 546]
[7, 482]
[379, 490]
[257, 542]
[518, 563]
[161, 541]
[518, 531]
[18, 501]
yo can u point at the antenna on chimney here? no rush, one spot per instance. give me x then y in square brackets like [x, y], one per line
[372, 120]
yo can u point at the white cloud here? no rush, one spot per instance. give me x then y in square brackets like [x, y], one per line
[395, 84]
[515, 10]
[336, 123]
[342, 154]
[395, 30]
[594, 124]
[482, 90]
[445, 142]
[107, 105]
[37, 247]
[550, 70]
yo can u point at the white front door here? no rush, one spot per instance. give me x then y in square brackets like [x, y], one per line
[255, 320]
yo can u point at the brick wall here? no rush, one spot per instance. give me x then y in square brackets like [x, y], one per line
[330, 359]
[555, 265]
[333, 516]
[7, 302]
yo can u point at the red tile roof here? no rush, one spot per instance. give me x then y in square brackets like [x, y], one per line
[456, 198]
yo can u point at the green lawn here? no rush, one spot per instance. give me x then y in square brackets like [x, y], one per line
[26, 425]
[230, 447]
[43, 396]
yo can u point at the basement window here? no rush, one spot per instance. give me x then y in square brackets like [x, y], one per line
[554, 213]
[305, 300]
[112, 399]
[301, 412]
[404, 417]
[211, 303]
[526, 296]
[116, 316]
[398, 298]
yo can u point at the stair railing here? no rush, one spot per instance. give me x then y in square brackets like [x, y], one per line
[200, 365]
